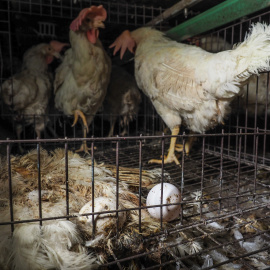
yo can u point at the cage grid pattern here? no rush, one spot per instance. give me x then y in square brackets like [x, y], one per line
[129, 14]
[224, 182]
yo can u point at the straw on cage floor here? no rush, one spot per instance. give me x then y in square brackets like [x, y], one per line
[220, 206]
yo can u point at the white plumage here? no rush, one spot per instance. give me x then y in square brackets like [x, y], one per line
[82, 79]
[61, 243]
[250, 100]
[188, 85]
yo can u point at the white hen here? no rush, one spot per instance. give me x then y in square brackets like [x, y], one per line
[82, 79]
[188, 85]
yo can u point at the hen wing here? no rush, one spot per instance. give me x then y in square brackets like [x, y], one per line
[63, 70]
[20, 90]
[177, 87]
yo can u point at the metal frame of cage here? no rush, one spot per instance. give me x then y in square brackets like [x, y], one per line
[223, 155]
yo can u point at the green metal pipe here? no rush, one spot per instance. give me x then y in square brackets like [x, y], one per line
[217, 16]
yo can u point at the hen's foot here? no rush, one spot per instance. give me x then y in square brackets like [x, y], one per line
[179, 148]
[188, 145]
[84, 148]
[167, 159]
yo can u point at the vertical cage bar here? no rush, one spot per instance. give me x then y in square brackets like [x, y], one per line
[117, 187]
[136, 123]
[232, 36]
[240, 32]
[238, 169]
[140, 185]
[182, 176]
[255, 116]
[202, 176]
[39, 184]
[229, 136]
[144, 115]
[92, 127]
[93, 189]
[265, 118]
[237, 126]
[153, 120]
[65, 128]
[246, 120]
[10, 187]
[221, 170]
[162, 179]
[67, 184]
[255, 165]
[34, 134]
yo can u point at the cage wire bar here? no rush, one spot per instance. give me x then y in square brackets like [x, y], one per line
[223, 182]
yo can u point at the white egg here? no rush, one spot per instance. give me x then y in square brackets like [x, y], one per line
[103, 222]
[171, 194]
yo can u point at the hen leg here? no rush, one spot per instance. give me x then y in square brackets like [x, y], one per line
[125, 124]
[84, 148]
[19, 130]
[188, 145]
[124, 132]
[112, 124]
[171, 156]
[78, 113]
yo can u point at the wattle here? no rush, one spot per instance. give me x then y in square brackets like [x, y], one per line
[92, 35]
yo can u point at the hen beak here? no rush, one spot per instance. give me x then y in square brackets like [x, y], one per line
[98, 24]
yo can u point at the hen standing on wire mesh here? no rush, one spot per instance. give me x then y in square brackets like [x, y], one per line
[188, 85]
[82, 79]
[27, 93]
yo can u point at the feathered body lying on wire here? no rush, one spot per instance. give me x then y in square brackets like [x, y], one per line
[61, 243]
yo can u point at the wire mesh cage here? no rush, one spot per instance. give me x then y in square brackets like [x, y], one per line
[71, 211]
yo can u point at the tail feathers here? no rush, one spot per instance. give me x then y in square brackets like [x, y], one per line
[253, 54]
[246, 59]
